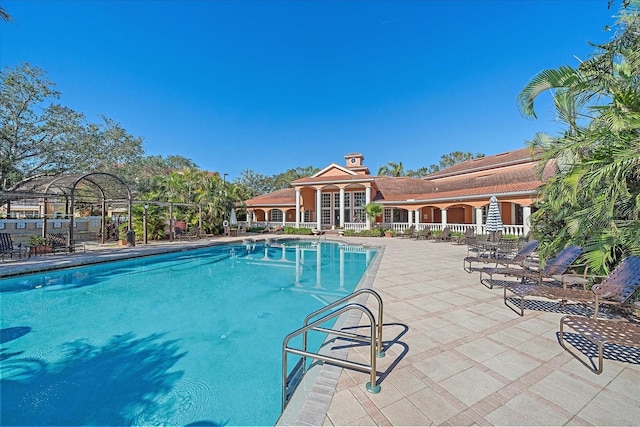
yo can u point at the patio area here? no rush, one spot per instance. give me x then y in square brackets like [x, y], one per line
[455, 355]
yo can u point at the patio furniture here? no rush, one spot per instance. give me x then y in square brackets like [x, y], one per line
[231, 232]
[409, 232]
[423, 234]
[615, 290]
[531, 271]
[442, 237]
[504, 255]
[459, 240]
[58, 243]
[600, 332]
[7, 248]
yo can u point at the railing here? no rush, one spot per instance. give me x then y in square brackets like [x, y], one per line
[400, 227]
[289, 382]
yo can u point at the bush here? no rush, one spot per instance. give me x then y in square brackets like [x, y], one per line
[509, 237]
[37, 240]
[300, 231]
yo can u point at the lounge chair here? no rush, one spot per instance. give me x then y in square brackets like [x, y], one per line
[442, 237]
[615, 290]
[600, 332]
[460, 240]
[422, 234]
[231, 232]
[531, 272]
[181, 234]
[503, 255]
[7, 248]
[58, 243]
[409, 232]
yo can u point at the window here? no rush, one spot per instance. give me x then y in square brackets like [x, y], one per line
[347, 204]
[276, 215]
[336, 208]
[359, 200]
[388, 215]
[325, 203]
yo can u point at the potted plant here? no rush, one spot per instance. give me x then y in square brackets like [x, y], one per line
[389, 233]
[122, 234]
[38, 244]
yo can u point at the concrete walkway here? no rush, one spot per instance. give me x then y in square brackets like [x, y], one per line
[458, 356]
[455, 355]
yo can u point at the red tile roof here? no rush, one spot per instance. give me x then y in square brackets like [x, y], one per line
[509, 173]
[523, 155]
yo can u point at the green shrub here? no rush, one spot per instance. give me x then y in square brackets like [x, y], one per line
[37, 240]
[299, 231]
[509, 237]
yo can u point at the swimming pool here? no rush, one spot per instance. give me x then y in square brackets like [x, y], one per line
[185, 338]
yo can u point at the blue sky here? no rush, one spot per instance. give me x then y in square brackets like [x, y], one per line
[273, 85]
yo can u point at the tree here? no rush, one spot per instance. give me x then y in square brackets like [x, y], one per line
[139, 173]
[4, 15]
[41, 137]
[255, 184]
[594, 199]
[446, 160]
[391, 169]
[373, 210]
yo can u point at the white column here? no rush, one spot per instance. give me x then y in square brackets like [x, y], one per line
[526, 219]
[417, 212]
[342, 207]
[367, 199]
[297, 208]
[410, 217]
[444, 217]
[478, 220]
[318, 209]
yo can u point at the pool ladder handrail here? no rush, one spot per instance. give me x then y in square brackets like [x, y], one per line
[375, 339]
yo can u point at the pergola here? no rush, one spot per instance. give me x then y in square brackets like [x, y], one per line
[89, 188]
[105, 189]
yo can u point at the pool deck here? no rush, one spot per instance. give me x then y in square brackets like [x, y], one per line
[455, 355]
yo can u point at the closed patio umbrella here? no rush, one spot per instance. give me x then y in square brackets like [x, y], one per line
[494, 220]
[234, 219]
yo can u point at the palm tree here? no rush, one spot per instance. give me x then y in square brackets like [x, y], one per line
[373, 210]
[391, 169]
[594, 199]
[4, 15]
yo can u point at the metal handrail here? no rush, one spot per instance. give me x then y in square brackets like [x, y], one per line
[371, 386]
[343, 300]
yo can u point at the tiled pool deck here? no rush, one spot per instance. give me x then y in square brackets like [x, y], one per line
[455, 355]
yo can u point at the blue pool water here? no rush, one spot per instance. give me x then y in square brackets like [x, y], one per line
[188, 338]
